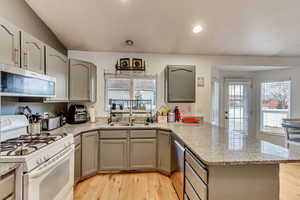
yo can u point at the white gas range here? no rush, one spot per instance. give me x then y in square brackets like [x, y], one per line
[47, 170]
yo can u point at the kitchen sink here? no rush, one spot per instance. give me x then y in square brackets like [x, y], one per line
[127, 124]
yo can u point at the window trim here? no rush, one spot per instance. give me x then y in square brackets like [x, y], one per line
[260, 104]
[131, 76]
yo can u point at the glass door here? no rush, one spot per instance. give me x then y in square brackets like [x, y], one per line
[237, 107]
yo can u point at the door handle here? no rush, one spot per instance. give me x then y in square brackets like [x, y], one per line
[25, 60]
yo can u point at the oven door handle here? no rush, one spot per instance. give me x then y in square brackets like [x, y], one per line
[56, 161]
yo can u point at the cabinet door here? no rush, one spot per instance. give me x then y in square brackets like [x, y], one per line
[79, 80]
[32, 54]
[113, 154]
[57, 66]
[90, 150]
[10, 43]
[7, 185]
[142, 153]
[77, 170]
[181, 85]
[93, 83]
[164, 152]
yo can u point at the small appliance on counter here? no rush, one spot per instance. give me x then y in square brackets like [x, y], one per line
[77, 114]
[51, 123]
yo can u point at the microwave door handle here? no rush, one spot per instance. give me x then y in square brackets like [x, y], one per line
[41, 171]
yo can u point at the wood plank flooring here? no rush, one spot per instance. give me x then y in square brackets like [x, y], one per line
[135, 186]
[289, 181]
[154, 186]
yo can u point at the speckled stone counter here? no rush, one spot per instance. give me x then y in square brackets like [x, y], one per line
[7, 167]
[214, 145]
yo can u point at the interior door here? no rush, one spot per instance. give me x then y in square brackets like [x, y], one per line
[237, 104]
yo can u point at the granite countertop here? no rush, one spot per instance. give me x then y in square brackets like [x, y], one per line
[214, 145]
[7, 167]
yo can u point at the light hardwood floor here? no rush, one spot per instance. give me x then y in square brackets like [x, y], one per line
[154, 186]
[289, 181]
[135, 186]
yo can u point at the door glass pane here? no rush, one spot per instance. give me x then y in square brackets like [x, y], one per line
[274, 105]
[215, 102]
[58, 179]
[238, 105]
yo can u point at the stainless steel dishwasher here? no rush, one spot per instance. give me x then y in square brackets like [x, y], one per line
[177, 175]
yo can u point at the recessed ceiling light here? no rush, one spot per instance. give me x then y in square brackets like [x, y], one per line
[197, 29]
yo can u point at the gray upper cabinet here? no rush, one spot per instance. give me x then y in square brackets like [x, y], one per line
[90, 150]
[113, 154]
[93, 83]
[164, 152]
[83, 81]
[10, 43]
[180, 83]
[32, 53]
[143, 154]
[57, 66]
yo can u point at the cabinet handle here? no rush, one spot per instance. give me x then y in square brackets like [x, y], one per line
[16, 53]
[25, 60]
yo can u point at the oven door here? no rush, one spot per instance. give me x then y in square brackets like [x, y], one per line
[52, 180]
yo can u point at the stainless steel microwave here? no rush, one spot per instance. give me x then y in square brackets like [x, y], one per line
[19, 82]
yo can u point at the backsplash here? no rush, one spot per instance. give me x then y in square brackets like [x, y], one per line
[10, 106]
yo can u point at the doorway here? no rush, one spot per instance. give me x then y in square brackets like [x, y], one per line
[238, 104]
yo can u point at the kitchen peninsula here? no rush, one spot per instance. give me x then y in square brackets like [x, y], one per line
[235, 165]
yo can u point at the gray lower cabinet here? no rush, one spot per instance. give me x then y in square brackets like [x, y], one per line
[57, 66]
[7, 186]
[196, 179]
[33, 54]
[77, 163]
[113, 154]
[90, 150]
[10, 43]
[164, 152]
[142, 154]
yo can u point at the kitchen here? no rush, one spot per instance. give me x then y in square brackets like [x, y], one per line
[117, 83]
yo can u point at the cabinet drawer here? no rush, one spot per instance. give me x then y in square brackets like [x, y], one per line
[196, 182]
[113, 134]
[190, 192]
[7, 186]
[143, 133]
[77, 140]
[196, 165]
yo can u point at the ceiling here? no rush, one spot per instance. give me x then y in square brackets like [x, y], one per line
[232, 27]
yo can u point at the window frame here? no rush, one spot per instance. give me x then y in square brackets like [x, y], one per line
[261, 101]
[131, 88]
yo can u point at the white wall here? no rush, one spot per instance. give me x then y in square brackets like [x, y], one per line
[155, 63]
